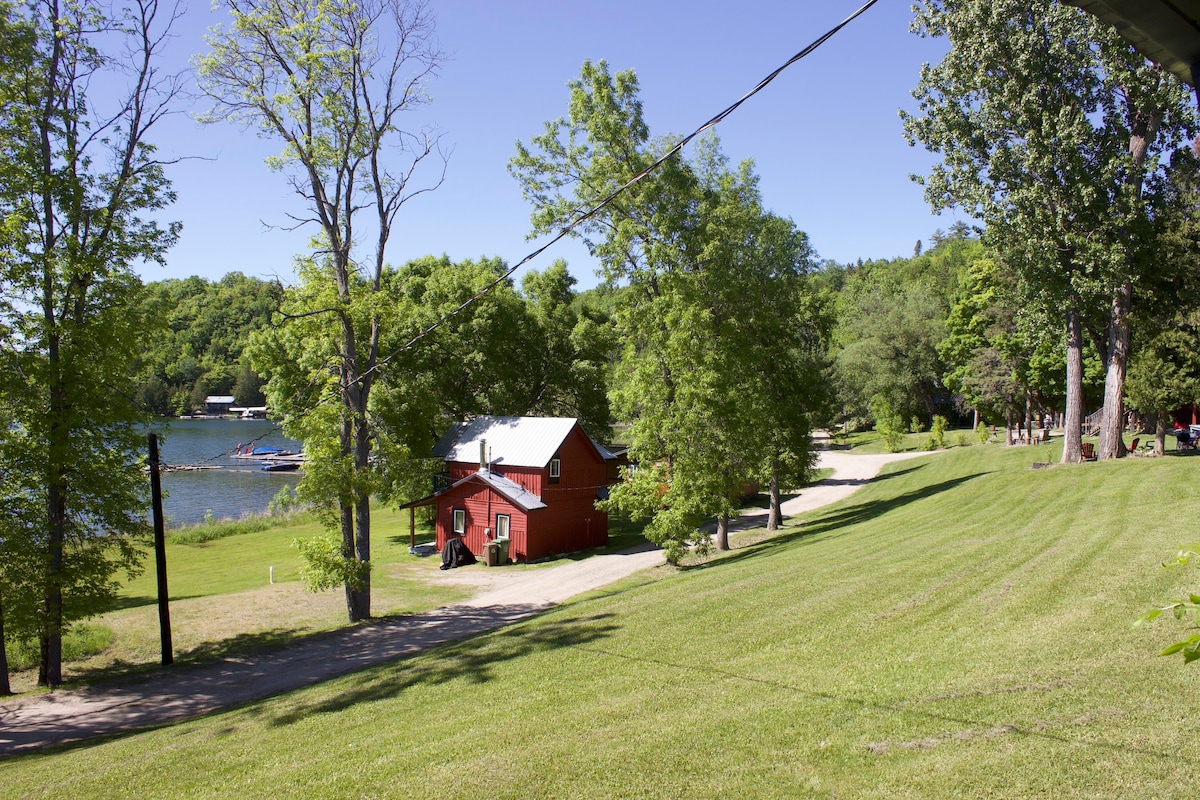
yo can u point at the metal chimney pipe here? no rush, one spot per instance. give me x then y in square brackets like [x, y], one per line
[483, 455]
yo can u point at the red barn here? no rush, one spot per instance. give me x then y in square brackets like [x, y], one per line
[532, 480]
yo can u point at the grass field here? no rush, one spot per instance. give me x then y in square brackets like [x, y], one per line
[240, 592]
[958, 628]
[223, 599]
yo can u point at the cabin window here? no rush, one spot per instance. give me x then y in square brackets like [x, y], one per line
[460, 521]
[503, 524]
[555, 469]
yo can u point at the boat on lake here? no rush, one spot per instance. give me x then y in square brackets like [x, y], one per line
[261, 453]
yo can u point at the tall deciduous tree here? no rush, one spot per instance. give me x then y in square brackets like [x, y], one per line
[694, 248]
[1164, 366]
[888, 331]
[1002, 358]
[502, 354]
[80, 178]
[1047, 124]
[333, 81]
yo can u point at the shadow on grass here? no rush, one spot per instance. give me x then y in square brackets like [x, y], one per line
[473, 660]
[885, 476]
[850, 515]
[201, 654]
[403, 539]
[861, 512]
[138, 601]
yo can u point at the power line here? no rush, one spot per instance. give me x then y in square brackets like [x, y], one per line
[579, 220]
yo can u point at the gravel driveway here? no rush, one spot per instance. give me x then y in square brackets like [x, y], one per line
[68, 715]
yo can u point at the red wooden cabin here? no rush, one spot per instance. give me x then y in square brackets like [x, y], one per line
[533, 480]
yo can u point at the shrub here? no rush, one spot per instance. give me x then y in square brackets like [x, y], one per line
[325, 567]
[937, 432]
[80, 641]
[212, 529]
[982, 432]
[888, 423]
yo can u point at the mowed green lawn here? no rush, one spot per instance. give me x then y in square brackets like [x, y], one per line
[244, 591]
[959, 628]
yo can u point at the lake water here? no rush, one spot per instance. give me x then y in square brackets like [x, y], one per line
[237, 487]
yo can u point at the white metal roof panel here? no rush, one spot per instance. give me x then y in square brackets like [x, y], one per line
[511, 441]
[516, 494]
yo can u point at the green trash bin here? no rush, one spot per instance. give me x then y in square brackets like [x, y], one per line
[503, 555]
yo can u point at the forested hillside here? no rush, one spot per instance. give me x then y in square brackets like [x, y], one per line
[196, 346]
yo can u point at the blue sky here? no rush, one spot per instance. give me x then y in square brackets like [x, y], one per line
[825, 136]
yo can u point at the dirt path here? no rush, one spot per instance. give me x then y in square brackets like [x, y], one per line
[35, 721]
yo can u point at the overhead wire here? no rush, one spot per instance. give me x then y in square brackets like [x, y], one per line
[579, 220]
[585, 216]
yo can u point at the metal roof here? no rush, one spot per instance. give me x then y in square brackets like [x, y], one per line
[1165, 31]
[511, 441]
[609, 453]
[512, 491]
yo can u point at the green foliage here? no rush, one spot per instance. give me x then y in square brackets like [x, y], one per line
[80, 641]
[331, 82]
[285, 501]
[1164, 367]
[327, 567]
[197, 345]
[1058, 152]
[888, 423]
[502, 354]
[718, 374]
[213, 529]
[982, 433]
[1181, 610]
[998, 352]
[937, 431]
[81, 196]
[889, 324]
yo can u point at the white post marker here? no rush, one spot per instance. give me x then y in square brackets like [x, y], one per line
[272, 573]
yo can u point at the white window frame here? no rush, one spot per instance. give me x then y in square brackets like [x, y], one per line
[458, 522]
[503, 531]
[555, 469]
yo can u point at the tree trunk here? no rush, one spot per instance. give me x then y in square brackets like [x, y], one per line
[723, 532]
[362, 510]
[5, 687]
[1028, 415]
[1073, 421]
[346, 520]
[775, 512]
[346, 523]
[50, 661]
[1113, 421]
[1160, 431]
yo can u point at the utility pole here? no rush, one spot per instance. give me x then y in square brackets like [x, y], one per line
[160, 554]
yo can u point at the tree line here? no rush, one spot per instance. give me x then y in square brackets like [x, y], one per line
[717, 334]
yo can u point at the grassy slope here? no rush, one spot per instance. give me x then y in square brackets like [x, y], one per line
[957, 629]
[222, 599]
